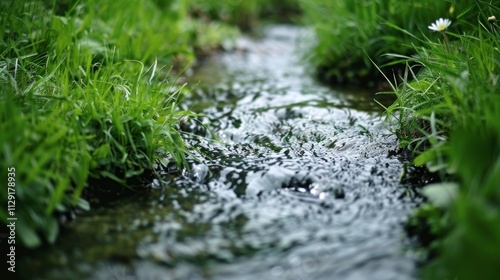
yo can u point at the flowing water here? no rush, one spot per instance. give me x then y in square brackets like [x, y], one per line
[304, 184]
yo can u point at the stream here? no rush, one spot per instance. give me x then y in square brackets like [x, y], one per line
[303, 184]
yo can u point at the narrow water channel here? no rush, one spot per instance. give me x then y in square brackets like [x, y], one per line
[304, 184]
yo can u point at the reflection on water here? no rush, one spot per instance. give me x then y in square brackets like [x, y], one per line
[301, 186]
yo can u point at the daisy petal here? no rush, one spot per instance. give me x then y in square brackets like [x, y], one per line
[440, 24]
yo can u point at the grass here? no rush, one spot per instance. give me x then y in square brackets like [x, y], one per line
[349, 33]
[90, 93]
[89, 90]
[84, 95]
[447, 111]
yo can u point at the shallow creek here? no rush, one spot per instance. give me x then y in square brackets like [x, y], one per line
[304, 184]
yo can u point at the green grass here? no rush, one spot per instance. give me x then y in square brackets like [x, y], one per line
[87, 90]
[90, 90]
[350, 33]
[84, 95]
[447, 111]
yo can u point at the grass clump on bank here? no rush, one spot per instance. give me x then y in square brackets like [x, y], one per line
[83, 95]
[349, 33]
[89, 90]
[447, 111]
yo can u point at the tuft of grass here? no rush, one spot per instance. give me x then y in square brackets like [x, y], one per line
[447, 112]
[350, 33]
[83, 95]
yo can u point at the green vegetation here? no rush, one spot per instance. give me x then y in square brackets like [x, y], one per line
[447, 112]
[245, 14]
[85, 94]
[89, 90]
[349, 33]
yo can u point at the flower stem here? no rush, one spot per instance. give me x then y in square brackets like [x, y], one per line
[446, 41]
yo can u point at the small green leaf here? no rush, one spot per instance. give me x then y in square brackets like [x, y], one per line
[51, 230]
[424, 157]
[434, 167]
[102, 152]
[83, 204]
[27, 235]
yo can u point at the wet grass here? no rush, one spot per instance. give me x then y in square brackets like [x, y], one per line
[447, 113]
[78, 103]
[87, 91]
[90, 90]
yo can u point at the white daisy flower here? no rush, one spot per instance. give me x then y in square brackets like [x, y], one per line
[440, 24]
